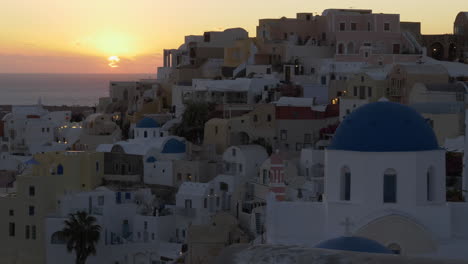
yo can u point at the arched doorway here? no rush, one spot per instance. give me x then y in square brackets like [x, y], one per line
[240, 138]
[399, 233]
[436, 51]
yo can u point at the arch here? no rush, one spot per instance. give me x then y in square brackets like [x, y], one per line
[345, 184]
[430, 185]
[390, 186]
[410, 237]
[58, 238]
[350, 48]
[436, 51]
[340, 49]
[117, 149]
[60, 169]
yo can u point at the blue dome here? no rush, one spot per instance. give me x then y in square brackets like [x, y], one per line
[151, 159]
[384, 127]
[357, 244]
[147, 123]
[174, 146]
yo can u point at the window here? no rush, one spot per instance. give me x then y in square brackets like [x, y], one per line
[31, 210]
[353, 26]
[355, 91]
[11, 212]
[145, 134]
[240, 167]
[217, 201]
[323, 80]
[223, 186]
[11, 229]
[32, 191]
[43, 130]
[369, 91]
[188, 203]
[101, 200]
[390, 186]
[369, 26]
[97, 165]
[216, 130]
[48, 130]
[58, 238]
[269, 118]
[27, 232]
[340, 48]
[233, 152]
[205, 203]
[298, 146]
[255, 118]
[386, 26]
[396, 48]
[345, 194]
[33, 232]
[128, 196]
[430, 185]
[60, 169]
[283, 134]
[145, 225]
[342, 26]
[179, 176]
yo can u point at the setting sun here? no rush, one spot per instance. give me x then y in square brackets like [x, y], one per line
[113, 61]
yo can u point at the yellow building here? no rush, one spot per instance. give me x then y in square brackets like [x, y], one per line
[38, 191]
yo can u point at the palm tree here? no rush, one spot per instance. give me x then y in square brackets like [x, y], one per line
[82, 234]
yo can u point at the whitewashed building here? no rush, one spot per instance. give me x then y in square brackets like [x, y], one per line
[133, 231]
[385, 181]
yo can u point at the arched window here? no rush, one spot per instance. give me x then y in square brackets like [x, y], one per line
[60, 169]
[145, 134]
[345, 185]
[390, 186]
[430, 184]
[58, 238]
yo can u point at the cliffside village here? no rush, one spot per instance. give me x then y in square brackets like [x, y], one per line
[344, 125]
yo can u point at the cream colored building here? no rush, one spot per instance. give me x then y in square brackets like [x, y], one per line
[38, 191]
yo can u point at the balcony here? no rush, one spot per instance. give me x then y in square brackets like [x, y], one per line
[187, 212]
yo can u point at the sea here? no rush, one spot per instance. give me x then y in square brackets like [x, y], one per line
[59, 89]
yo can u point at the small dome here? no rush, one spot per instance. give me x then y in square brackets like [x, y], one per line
[151, 159]
[357, 244]
[384, 127]
[174, 146]
[147, 123]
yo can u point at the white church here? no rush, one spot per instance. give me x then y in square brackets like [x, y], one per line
[384, 181]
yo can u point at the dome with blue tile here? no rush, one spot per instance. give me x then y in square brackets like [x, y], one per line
[147, 123]
[151, 159]
[174, 146]
[353, 243]
[384, 127]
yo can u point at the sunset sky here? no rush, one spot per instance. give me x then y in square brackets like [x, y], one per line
[74, 36]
